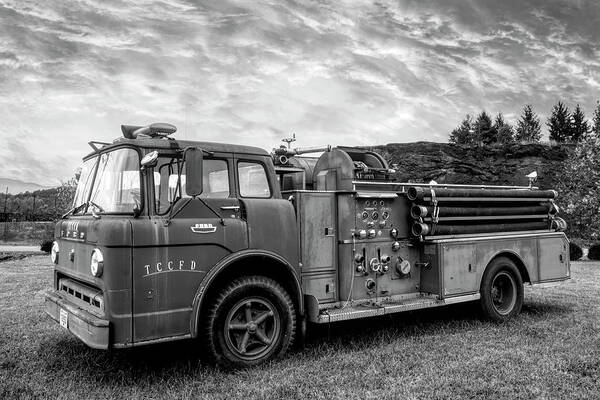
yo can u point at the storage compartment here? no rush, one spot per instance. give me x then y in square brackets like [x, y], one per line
[316, 217]
[554, 258]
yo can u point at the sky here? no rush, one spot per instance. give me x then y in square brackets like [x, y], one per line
[253, 72]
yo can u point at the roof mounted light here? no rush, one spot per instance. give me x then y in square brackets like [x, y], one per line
[158, 129]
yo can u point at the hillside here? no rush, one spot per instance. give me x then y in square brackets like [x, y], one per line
[16, 186]
[496, 165]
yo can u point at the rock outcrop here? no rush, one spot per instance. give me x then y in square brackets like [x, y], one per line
[494, 165]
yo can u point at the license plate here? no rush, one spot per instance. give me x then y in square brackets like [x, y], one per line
[64, 318]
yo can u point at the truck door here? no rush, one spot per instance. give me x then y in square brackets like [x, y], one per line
[179, 242]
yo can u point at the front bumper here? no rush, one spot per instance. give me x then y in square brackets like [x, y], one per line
[91, 330]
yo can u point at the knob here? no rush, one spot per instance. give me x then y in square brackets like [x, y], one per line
[360, 268]
[385, 259]
[370, 224]
[394, 232]
[395, 246]
[375, 265]
[382, 224]
[372, 233]
[370, 285]
[362, 234]
[359, 258]
[385, 268]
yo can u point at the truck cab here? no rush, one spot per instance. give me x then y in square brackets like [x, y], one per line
[239, 248]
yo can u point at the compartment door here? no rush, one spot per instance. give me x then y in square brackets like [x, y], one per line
[554, 258]
[459, 268]
[318, 245]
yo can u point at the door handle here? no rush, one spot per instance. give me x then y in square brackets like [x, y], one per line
[235, 208]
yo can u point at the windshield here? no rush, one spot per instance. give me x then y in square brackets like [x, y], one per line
[116, 186]
[85, 182]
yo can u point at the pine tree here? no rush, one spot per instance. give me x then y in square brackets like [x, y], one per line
[528, 126]
[463, 134]
[559, 123]
[580, 127]
[596, 121]
[485, 130]
[505, 133]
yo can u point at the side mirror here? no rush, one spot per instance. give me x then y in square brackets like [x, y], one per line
[193, 171]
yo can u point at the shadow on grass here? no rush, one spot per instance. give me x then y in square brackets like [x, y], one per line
[545, 309]
[184, 359]
[448, 319]
[69, 356]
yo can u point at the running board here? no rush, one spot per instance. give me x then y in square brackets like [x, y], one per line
[388, 307]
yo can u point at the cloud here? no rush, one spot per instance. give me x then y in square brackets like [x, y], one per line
[347, 72]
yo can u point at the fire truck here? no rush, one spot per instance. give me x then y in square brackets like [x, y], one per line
[240, 249]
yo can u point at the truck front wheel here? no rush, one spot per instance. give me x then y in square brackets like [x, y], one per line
[501, 290]
[252, 320]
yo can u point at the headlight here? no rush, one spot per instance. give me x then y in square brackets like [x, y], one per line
[54, 253]
[97, 264]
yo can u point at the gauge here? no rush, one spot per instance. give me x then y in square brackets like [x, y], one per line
[385, 215]
[375, 215]
[367, 203]
[365, 215]
[381, 203]
[405, 267]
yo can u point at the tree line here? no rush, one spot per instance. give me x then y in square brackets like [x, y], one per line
[563, 126]
[40, 205]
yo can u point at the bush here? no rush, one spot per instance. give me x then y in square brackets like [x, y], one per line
[46, 246]
[575, 251]
[594, 252]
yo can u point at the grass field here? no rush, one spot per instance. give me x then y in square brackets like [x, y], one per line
[551, 351]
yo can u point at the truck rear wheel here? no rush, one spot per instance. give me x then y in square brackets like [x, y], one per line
[501, 290]
[252, 320]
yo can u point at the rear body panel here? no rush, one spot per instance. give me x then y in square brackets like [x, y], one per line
[457, 265]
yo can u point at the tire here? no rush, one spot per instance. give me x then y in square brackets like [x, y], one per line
[501, 290]
[252, 320]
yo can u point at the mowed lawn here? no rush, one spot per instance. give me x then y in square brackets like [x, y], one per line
[550, 351]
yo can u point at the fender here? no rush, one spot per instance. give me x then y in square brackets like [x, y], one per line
[226, 262]
[521, 265]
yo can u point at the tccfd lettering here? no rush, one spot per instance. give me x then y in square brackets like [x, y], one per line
[170, 266]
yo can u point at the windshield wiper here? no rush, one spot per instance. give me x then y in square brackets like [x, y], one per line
[74, 209]
[94, 208]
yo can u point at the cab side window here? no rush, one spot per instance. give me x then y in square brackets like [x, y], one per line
[169, 184]
[215, 179]
[253, 180]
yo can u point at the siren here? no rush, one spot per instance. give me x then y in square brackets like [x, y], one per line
[157, 129]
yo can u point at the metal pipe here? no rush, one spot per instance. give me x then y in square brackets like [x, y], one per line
[421, 229]
[441, 185]
[421, 211]
[421, 193]
[304, 150]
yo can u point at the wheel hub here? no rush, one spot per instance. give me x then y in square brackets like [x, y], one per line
[504, 292]
[252, 328]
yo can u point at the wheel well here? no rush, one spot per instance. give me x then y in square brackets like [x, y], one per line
[253, 265]
[518, 262]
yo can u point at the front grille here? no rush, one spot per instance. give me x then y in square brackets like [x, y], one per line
[89, 297]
